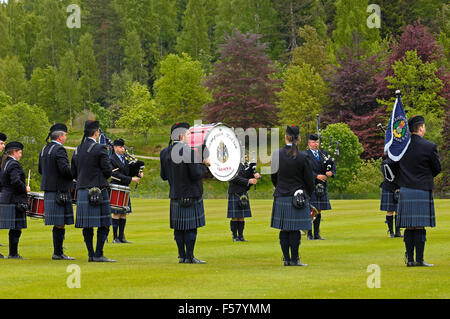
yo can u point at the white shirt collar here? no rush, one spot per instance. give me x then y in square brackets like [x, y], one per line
[93, 139]
[54, 141]
[12, 157]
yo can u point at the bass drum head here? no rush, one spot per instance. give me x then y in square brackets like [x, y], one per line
[224, 152]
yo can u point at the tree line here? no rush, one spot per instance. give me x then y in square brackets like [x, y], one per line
[248, 63]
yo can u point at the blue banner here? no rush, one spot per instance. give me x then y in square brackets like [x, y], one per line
[398, 135]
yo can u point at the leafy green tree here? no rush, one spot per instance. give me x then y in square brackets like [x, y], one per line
[139, 112]
[134, 59]
[348, 162]
[67, 93]
[12, 79]
[42, 90]
[302, 97]
[5, 44]
[367, 179]
[193, 38]
[179, 92]
[5, 100]
[28, 125]
[167, 26]
[313, 51]
[418, 83]
[89, 79]
[351, 21]
[101, 114]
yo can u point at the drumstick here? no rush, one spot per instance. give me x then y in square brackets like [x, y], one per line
[29, 172]
[117, 179]
[115, 169]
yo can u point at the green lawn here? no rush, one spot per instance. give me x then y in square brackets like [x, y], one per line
[337, 267]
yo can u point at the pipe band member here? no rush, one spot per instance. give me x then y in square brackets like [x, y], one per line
[91, 167]
[122, 175]
[292, 176]
[417, 169]
[54, 166]
[182, 168]
[13, 197]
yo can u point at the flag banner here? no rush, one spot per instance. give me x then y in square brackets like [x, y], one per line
[398, 136]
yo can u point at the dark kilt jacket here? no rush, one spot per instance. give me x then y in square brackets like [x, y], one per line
[14, 190]
[237, 187]
[317, 167]
[54, 166]
[417, 169]
[91, 167]
[184, 175]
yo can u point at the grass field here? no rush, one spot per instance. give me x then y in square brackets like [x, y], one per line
[337, 267]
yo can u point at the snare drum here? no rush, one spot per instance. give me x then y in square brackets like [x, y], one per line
[119, 196]
[223, 147]
[35, 205]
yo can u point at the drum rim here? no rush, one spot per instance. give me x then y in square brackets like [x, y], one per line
[119, 187]
[35, 194]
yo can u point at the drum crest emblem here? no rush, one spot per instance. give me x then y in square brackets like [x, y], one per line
[222, 152]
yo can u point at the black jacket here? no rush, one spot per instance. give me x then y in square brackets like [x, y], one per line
[183, 173]
[393, 166]
[13, 180]
[289, 174]
[91, 165]
[121, 172]
[55, 169]
[240, 184]
[419, 165]
[318, 167]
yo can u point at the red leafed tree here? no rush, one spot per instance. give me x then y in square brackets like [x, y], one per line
[242, 84]
[414, 37]
[370, 136]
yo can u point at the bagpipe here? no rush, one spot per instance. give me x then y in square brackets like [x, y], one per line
[328, 162]
[250, 166]
[328, 159]
[136, 166]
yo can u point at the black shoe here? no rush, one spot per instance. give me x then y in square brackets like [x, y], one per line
[15, 257]
[116, 241]
[410, 264]
[242, 239]
[1, 256]
[124, 241]
[422, 264]
[235, 239]
[310, 237]
[91, 259]
[181, 260]
[102, 259]
[62, 257]
[391, 235]
[318, 237]
[398, 235]
[193, 261]
[297, 263]
[287, 262]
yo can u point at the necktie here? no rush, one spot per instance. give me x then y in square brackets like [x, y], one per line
[122, 159]
[316, 154]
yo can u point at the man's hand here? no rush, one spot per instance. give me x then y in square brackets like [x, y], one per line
[136, 180]
[207, 162]
[323, 178]
[256, 175]
[253, 181]
[329, 173]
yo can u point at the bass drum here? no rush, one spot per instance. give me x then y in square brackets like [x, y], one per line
[221, 143]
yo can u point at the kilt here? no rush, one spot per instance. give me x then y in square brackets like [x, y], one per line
[387, 201]
[121, 210]
[186, 218]
[415, 208]
[56, 214]
[234, 211]
[321, 203]
[89, 216]
[286, 217]
[10, 218]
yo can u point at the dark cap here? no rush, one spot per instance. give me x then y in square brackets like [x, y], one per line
[313, 137]
[119, 142]
[416, 120]
[91, 125]
[3, 137]
[180, 125]
[14, 145]
[292, 130]
[58, 127]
